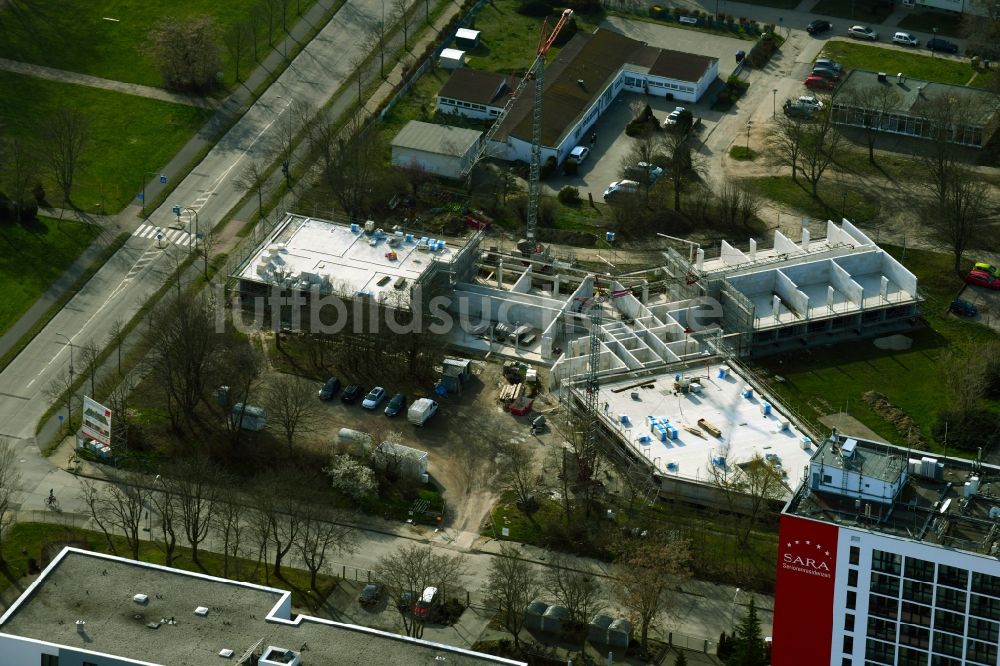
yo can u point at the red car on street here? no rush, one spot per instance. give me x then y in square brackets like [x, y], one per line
[814, 81]
[982, 279]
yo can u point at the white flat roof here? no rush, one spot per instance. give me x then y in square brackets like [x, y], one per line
[466, 33]
[311, 251]
[745, 429]
[452, 54]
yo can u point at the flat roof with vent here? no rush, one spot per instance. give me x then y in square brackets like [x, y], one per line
[306, 252]
[98, 589]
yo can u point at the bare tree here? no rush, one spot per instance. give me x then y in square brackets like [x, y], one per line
[116, 336]
[238, 40]
[22, 170]
[751, 490]
[239, 366]
[399, 9]
[259, 533]
[645, 150]
[119, 401]
[575, 586]
[226, 519]
[647, 570]
[512, 583]
[61, 389]
[194, 483]
[65, 137]
[187, 51]
[412, 568]
[254, 19]
[820, 141]
[90, 355]
[320, 536]
[354, 164]
[10, 485]
[253, 179]
[517, 473]
[92, 496]
[785, 142]
[683, 165]
[164, 501]
[738, 204]
[123, 501]
[377, 32]
[870, 106]
[292, 405]
[280, 513]
[269, 11]
[358, 67]
[184, 344]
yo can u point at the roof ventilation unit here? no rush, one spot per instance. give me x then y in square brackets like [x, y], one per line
[201, 611]
[140, 599]
[847, 451]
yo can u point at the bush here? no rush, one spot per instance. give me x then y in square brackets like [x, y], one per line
[569, 196]
[977, 429]
[549, 168]
[534, 8]
[39, 193]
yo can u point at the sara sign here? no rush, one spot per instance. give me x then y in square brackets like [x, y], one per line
[803, 596]
[96, 421]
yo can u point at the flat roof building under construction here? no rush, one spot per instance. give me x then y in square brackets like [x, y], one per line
[684, 423]
[346, 259]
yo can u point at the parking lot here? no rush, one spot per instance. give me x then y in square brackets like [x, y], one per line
[987, 301]
[604, 165]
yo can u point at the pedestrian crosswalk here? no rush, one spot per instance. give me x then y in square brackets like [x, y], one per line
[175, 236]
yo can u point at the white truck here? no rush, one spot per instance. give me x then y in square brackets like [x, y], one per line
[421, 410]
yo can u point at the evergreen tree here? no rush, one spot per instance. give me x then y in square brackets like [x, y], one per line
[725, 648]
[681, 660]
[748, 643]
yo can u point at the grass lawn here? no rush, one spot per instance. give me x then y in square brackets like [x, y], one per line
[860, 11]
[835, 198]
[73, 35]
[912, 63]
[128, 135]
[742, 153]
[509, 39]
[26, 540]
[833, 378]
[948, 25]
[986, 80]
[36, 254]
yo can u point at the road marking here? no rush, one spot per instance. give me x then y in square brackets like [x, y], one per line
[11, 395]
[175, 236]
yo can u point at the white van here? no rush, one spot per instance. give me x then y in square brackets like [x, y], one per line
[906, 39]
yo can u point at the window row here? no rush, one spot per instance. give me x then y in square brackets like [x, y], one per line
[464, 105]
[902, 124]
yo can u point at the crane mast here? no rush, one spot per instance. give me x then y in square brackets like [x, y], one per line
[536, 74]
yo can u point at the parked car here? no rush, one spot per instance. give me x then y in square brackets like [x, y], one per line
[421, 411]
[620, 187]
[829, 64]
[351, 394]
[862, 32]
[644, 170]
[374, 398]
[796, 110]
[831, 74]
[963, 308]
[982, 279]
[810, 101]
[818, 26]
[395, 405]
[370, 594]
[905, 38]
[986, 268]
[579, 153]
[942, 45]
[426, 604]
[329, 389]
[819, 83]
[673, 116]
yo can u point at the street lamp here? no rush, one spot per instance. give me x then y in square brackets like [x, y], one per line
[142, 194]
[749, 125]
[934, 30]
[732, 614]
[774, 102]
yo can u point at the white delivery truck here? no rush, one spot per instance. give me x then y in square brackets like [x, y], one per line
[421, 410]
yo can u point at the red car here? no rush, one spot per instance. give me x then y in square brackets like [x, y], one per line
[814, 81]
[982, 279]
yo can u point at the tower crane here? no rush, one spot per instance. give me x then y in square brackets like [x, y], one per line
[535, 74]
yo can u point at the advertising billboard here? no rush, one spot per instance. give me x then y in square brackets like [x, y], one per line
[96, 421]
[803, 596]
